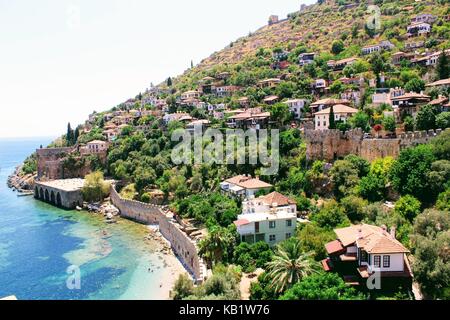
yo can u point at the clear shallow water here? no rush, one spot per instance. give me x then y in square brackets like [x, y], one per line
[39, 242]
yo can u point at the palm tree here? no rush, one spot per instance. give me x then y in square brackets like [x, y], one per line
[218, 242]
[289, 265]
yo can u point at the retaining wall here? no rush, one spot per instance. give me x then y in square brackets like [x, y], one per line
[182, 245]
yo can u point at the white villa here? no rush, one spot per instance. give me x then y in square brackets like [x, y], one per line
[244, 186]
[97, 146]
[367, 249]
[296, 107]
[341, 113]
[271, 218]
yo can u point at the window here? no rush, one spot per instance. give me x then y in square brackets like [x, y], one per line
[288, 235]
[364, 257]
[288, 223]
[272, 238]
[272, 224]
[386, 261]
[377, 261]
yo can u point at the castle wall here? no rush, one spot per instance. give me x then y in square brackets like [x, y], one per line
[49, 162]
[182, 245]
[330, 145]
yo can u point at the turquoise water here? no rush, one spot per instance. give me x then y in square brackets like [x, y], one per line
[39, 242]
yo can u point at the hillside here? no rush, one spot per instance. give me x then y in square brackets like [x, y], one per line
[363, 116]
[317, 26]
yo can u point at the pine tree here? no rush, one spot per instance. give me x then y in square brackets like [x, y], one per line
[192, 64]
[332, 122]
[443, 66]
[169, 82]
[69, 135]
[76, 135]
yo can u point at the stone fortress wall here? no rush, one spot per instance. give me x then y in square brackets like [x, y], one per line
[183, 246]
[50, 162]
[330, 145]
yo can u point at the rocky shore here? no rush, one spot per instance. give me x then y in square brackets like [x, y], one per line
[21, 182]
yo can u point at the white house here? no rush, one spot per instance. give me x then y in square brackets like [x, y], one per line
[306, 58]
[271, 218]
[296, 107]
[192, 94]
[97, 146]
[418, 29]
[244, 186]
[424, 17]
[370, 249]
[341, 114]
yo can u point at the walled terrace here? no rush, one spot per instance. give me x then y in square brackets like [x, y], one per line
[182, 240]
[330, 145]
[61, 193]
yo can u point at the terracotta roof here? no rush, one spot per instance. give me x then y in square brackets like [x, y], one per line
[271, 98]
[254, 184]
[329, 101]
[326, 264]
[277, 198]
[412, 95]
[241, 222]
[334, 247]
[372, 239]
[439, 101]
[339, 108]
[439, 83]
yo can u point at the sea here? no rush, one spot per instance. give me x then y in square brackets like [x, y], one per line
[51, 254]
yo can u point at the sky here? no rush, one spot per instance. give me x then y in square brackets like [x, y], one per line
[62, 59]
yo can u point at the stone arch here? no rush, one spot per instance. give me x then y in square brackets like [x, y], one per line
[52, 197]
[36, 192]
[41, 194]
[47, 196]
[58, 200]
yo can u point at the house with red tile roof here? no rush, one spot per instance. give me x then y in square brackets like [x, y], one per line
[244, 186]
[271, 218]
[360, 251]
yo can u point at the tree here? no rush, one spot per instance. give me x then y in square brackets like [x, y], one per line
[337, 47]
[344, 176]
[378, 65]
[69, 135]
[439, 177]
[441, 145]
[322, 286]
[216, 247]
[289, 265]
[354, 208]
[169, 82]
[313, 239]
[415, 85]
[409, 173]
[443, 66]
[182, 288]
[443, 201]
[408, 207]
[426, 118]
[373, 187]
[409, 123]
[332, 120]
[252, 256]
[95, 188]
[280, 113]
[389, 124]
[330, 216]
[360, 164]
[431, 240]
[360, 120]
[443, 120]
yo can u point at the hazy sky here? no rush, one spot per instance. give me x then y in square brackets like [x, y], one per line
[62, 59]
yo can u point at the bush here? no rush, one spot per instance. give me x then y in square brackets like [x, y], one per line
[95, 188]
[408, 207]
[443, 120]
[354, 208]
[322, 286]
[330, 216]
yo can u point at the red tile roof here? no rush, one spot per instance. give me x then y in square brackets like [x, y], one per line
[334, 247]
